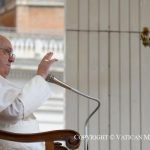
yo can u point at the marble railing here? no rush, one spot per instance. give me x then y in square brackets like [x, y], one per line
[35, 48]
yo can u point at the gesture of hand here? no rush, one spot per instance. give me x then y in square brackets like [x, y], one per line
[45, 64]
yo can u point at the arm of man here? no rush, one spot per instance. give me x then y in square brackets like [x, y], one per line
[16, 103]
[20, 104]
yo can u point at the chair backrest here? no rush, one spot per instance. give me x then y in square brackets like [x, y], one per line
[51, 138]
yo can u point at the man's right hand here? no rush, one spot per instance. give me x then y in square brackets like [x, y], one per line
[45, 64]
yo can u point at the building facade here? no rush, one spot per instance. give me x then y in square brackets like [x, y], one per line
[33, 16]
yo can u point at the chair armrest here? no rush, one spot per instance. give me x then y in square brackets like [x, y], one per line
[71, 137]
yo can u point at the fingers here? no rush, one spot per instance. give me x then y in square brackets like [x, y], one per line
[45, 64]
[48, 58]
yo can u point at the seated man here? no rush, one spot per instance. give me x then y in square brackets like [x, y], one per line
[17, 105]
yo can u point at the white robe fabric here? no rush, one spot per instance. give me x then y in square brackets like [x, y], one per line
[17, 107]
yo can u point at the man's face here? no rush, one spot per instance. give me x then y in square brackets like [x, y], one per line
[5, 56]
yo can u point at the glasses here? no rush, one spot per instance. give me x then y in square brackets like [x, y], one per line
[8, 51]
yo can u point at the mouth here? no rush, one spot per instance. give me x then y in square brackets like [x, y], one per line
[9, 65]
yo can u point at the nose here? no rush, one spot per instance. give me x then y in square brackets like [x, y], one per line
[11, 59]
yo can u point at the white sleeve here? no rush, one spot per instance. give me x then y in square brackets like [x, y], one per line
[12, 113]
[8, 94]
[24, 102]
[34, 94]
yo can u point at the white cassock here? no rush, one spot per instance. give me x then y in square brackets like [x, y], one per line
[17, 107]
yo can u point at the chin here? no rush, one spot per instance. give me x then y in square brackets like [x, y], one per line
[6, 74]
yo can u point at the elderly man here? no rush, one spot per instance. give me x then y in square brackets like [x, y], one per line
[17, 105]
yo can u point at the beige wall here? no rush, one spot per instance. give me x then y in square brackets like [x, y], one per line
[8, 19]
[104, 60]
[40, 19]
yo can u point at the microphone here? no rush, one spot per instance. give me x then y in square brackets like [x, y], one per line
[50, 78]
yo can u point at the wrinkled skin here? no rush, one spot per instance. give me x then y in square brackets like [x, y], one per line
[5, 59]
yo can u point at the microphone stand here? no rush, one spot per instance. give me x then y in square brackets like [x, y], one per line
[52, 79]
